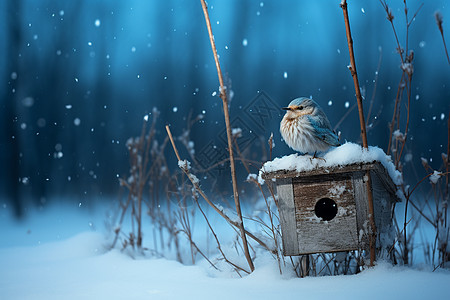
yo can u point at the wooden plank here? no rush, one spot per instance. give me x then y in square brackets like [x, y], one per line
[386, 181]
[383, 205]
[383, 209]
[320, 171]
[314, 234]
[286, 208]
[376, 166]
[304, 233]
[362, 209]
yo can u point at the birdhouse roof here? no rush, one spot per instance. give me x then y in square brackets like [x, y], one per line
[348, 157]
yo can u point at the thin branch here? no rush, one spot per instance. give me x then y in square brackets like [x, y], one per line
[395, 115]
[344, 116]
[217, 240]
[223, 96]
[202, 193]
[417, 184]
[390, 18]
[408, 109]
[374, 87]
[415, 14]
[447, 170]
[439, 21]
[183, 218]
[354, 73]
[419, 210]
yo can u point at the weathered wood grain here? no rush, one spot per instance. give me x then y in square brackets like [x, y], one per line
[314, 234]
[362, 208]
[304, 233]
[287, 216]
[383, 210]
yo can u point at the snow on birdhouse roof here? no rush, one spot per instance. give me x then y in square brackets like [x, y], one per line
[344, 155]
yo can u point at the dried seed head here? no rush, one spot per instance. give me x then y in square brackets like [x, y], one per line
[411, 56]
[439, 20]
[390, 16]
[425, 163]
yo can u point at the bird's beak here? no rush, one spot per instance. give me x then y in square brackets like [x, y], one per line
[286, 108]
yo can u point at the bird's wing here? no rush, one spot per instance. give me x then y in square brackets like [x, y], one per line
[323, 132]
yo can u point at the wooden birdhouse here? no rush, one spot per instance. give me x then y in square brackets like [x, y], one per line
[326, 209]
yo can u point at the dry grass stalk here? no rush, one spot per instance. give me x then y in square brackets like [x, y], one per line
[149, 178]
[407, 68]
[185, 167]
[139, 149]
[435, 215]
[186, 229]
[219, 247]
[398, 139]
[446, 163]
[352, 67]
[223, 96]
[439, 21]
[196, 185]
[273, 232]
[372, 100]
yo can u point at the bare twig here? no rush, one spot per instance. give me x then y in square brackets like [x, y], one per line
[217, 240]
[223, 96]
[272, 228]
[270, 145]
[439, 21]
[184, 220]
[117, 230]
[418, 183]
[354, 73]
[447, 170]
[344, 116]
[396, 114]
[409, 73]
[390, 18]
[398, 145]
[202, 193]
[372, 100]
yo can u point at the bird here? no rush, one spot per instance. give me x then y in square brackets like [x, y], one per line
[305, 127]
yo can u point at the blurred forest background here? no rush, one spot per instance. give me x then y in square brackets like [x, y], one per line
[78, 77]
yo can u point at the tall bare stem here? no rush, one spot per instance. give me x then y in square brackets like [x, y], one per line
[439, 21]
[447, 169]
[223, 96]
[352, 67]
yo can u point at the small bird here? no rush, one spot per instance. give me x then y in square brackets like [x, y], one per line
[305, 127]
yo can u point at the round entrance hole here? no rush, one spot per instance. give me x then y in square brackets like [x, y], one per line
[326, 209]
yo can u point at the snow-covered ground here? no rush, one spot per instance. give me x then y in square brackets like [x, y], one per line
[60, 253]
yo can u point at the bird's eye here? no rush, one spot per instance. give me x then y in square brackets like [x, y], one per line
[300, 107]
